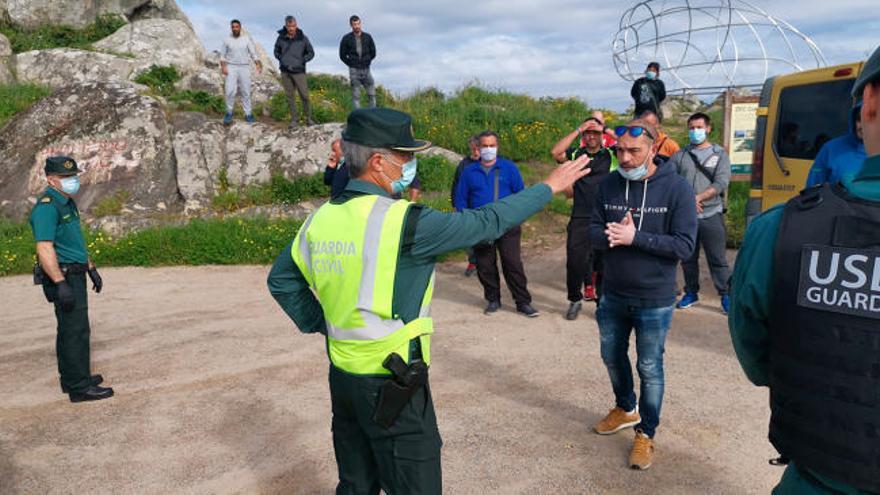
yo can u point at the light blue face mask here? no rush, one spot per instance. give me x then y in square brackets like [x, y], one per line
[637, 173]
[407, 174]
[697, 136]
[651, 75]
[70, 185]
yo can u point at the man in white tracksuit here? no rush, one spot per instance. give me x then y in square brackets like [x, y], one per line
[235, 62]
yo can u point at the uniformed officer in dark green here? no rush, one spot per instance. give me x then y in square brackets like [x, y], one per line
[62, 256]
[360, 272]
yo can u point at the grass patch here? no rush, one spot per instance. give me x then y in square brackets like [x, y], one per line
[46, 37]
[160, 79]
[111, 205]
[200, 242]
[15, 98]
[737, 196]
[279, 191]
[197, 101]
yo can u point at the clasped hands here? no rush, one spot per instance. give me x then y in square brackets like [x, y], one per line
[621, 233]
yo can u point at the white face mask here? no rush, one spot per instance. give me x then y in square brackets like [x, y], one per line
[488, 153]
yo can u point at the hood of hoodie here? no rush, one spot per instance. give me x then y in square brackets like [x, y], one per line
[296, 37]
[853, 116]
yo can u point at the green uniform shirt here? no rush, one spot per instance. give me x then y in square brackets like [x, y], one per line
[55, 218]
[752, 284]
[427, 234]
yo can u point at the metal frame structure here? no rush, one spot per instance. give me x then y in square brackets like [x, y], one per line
[641, 37]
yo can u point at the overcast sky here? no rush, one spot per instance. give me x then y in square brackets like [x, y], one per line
[547, 48]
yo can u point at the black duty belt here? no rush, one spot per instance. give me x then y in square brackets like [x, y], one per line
[73, 268]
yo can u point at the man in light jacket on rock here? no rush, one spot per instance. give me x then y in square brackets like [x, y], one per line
[235, 62]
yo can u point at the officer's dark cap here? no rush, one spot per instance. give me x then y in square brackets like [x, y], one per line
[382, 128]
[870, 73]
[61, 165]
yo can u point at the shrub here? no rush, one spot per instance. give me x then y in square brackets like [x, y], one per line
[160, 79]
[46, 37]
[436, 173]
[198, 101]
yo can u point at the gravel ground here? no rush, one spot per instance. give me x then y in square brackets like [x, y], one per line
[217, 392]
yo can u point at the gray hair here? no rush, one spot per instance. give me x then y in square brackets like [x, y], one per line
[474, 140]
[357, 156]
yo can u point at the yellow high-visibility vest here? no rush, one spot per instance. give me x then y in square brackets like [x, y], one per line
[348, 253]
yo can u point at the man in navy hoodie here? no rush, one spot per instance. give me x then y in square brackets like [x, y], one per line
[645, 221]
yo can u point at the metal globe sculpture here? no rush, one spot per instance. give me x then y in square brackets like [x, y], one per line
[709, 43]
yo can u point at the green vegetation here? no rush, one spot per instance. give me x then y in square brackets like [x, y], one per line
[737, 196]
[197, 101]
[15, 98]
[279, 191]
[111, 205]
[46, 37]
[160, 79]
[200, 242]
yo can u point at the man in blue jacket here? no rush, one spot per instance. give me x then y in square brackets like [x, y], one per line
[840, 156]
[645, 221]
[482, 183]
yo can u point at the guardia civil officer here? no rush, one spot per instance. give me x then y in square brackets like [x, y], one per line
[361, 272]
[805, 321]
[63, 262]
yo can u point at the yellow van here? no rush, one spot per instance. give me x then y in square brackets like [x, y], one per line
[797, 114]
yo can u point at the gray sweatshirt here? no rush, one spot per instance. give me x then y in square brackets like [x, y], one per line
[715, 160]
[238, 51]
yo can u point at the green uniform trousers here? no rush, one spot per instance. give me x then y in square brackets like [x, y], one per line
[793, 482]
[72, 341]
[402, 460]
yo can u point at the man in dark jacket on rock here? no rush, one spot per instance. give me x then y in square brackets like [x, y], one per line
[293, 50]
[648, 92]
[357, 51]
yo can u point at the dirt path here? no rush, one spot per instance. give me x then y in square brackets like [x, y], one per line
[217, 392]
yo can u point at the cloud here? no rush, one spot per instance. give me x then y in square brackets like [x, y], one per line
[550, 48]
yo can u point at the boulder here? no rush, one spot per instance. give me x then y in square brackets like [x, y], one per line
[6, 76]
[157, 42]
[204, 79]
[31, 14]
[248, 154]
[119, 138]
[58, 67]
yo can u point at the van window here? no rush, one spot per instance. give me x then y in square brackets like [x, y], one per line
[810, 115]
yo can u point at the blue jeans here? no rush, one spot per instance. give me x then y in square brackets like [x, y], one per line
[617, 317]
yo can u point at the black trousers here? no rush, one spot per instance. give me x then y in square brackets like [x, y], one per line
[404, 459]
[508, 246]
[712, 235]
[72, 339]
[580, 259]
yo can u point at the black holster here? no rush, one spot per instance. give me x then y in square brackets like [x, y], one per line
[397, 391]
[40, 278]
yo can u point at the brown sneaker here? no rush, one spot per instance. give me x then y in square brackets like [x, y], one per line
[642, 454]
[616, 420]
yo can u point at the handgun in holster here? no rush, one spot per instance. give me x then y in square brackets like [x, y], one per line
[397, 391]
[40, 278]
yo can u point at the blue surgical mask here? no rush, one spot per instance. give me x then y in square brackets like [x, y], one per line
[637, 173]
[70, 185]
[407, 174]
[651, 75]
[697, 136]
[488, 153]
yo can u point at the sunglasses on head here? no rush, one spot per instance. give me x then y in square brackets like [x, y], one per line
[634, 131]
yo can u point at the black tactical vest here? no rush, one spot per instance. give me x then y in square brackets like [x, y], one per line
[825, 336]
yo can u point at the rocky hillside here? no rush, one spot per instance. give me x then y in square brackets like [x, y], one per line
[125, 135]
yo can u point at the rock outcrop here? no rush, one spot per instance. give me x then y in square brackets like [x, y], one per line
[157, 42]
[5, 59]
[246, 154]
[59, 67]
[31, 14]
[120, 138]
